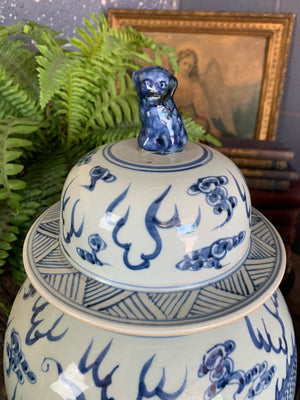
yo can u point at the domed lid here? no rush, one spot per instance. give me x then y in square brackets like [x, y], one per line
[150, 231]
[147, 215]
[152, 222]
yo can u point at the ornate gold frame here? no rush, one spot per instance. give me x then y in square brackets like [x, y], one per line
[276, 28]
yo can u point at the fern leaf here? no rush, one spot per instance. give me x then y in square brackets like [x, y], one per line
[12, 145]
[8, 233]
[18, 61]
[41, 34]
[44, 181]
[75, 101]
[135, 43]
[31, 29]
[19, 64]
[102, 46]
[197, 133]
[115, 106]
[54, 65]
[123, 131]
[92, 38]
[14, 100]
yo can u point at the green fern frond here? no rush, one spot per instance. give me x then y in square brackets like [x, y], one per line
[8, 232]
[32, 30]
[121, 132]
[54, 65]
[93, 37]
[19, 64]
[14, 100]
[12, 145]
[41, 34]
[115, 106]
[139, 43]
[75, 103]
[44, 181]
[102, 45]
[197, 133]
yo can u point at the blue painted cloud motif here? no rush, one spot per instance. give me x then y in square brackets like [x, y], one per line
[216, 195]
[96, 244]
[17, 360]
[219, 366]
[210, 256]
[87, 158]
[99, 173]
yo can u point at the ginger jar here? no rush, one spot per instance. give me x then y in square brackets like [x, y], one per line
[152, 278]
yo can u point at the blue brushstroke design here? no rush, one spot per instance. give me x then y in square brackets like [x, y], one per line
[158, 391]
[96, 244]
[219, 366]
[210, 256]
[288, 385]
[216, 195]
[99, 173]
[152, 224]
[86, 159]
[243, 195]
[263, 340]
[72, 231]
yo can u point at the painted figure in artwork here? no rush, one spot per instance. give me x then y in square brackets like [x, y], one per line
[204, 98]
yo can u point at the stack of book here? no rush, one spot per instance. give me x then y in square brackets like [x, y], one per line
[265, 164]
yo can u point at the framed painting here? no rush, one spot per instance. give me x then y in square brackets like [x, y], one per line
[231, 65]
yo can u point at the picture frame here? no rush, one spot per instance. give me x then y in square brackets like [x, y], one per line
[240, 60]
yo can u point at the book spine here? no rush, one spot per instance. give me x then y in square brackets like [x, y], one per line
[268, 184]
[269, 154]
[259, 164]
[269, 174]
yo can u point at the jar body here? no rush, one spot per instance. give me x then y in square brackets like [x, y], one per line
[51, 356]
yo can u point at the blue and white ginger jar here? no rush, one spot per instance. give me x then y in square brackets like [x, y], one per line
[152, 278]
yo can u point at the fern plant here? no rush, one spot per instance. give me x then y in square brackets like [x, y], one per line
[57, 102]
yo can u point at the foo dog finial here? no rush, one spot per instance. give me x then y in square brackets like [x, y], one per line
[162, 128]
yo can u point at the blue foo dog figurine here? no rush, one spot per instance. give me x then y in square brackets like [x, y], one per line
[162, 127]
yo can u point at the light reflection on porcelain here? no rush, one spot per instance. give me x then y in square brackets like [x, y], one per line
[152, 278]
[71, 374]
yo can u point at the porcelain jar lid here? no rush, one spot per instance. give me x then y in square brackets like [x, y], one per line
[152, 222]
[157, 213]
[155, 233]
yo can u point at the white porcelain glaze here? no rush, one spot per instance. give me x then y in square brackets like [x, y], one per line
[153, 313]
[52, 356]
[142, 221]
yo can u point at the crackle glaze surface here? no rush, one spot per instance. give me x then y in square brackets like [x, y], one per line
[52, 356]
[144, 221]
